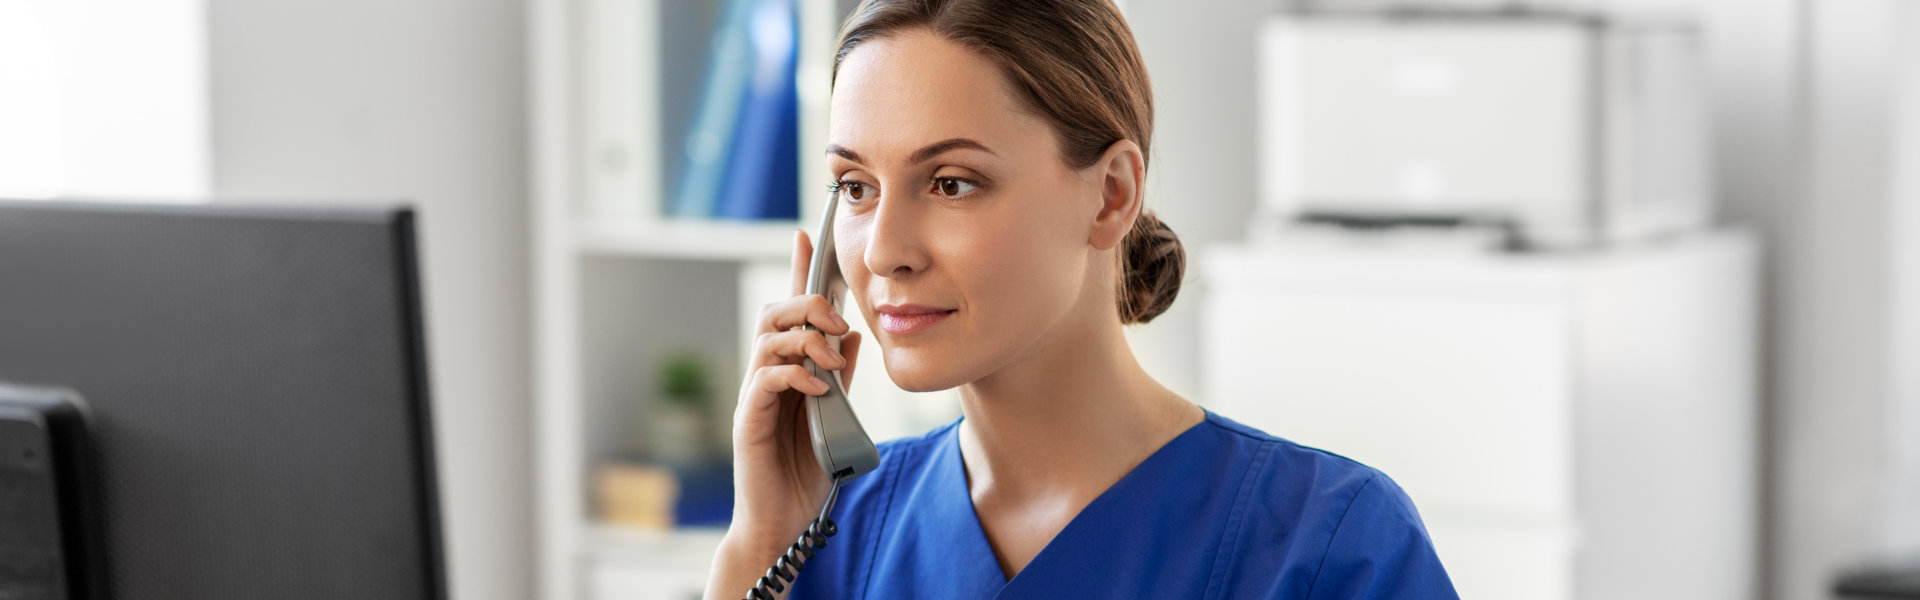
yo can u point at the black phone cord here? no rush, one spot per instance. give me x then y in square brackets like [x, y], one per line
[789, 565]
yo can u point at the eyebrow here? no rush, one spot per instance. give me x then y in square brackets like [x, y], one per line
[918, 156]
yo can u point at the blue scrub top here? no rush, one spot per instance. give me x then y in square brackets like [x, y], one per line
[1222, 511]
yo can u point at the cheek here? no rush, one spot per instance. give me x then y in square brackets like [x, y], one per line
[1021, 272]
[847, 251]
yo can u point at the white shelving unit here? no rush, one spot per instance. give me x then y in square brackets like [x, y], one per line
[618, 287]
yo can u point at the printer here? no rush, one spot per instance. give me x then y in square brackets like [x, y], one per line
[1559, 130]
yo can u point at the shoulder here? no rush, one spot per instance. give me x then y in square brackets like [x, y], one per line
[1300, 489]
[1292, 475]
[1330, 526]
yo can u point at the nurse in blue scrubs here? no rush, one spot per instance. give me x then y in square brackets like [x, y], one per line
[991, 158]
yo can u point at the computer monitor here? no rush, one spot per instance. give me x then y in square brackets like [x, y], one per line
[257, 392]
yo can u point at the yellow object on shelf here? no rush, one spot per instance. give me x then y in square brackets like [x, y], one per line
[637, 495]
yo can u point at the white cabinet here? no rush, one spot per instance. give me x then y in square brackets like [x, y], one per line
[1571, 425]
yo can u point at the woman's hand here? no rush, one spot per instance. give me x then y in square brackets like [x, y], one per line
[778, 488]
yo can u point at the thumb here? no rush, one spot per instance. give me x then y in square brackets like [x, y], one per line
[849, 348]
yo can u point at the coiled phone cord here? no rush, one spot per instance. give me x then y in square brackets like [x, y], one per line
[789, 565]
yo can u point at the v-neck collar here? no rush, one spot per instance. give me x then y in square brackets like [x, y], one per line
[975, 558]
[949, 534]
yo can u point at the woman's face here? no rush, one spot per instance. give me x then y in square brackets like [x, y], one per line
[955, 200]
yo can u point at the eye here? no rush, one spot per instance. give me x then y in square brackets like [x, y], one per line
[852, 190]
[953, 186]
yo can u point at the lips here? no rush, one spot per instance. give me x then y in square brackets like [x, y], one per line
[908, 319]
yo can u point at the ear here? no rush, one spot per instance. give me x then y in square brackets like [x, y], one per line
[1122, 173]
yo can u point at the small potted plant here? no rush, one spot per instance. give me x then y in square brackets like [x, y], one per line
[681, 417]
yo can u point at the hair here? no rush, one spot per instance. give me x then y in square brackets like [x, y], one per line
[1074, 63]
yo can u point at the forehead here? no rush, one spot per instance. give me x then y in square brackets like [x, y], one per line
[897, 92]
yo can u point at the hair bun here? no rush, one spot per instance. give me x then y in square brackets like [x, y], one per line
[1155, 263]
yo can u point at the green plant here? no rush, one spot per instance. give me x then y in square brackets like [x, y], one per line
[683, 381]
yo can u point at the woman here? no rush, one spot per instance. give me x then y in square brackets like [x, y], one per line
[991, 157]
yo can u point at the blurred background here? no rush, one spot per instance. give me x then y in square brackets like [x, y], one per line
[1623, 292]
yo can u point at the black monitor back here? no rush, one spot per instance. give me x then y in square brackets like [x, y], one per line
[257, 392]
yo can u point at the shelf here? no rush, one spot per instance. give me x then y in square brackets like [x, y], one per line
[619, 544]
[634, 563]
[688, 240]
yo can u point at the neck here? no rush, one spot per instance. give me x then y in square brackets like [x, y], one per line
[1071, 416]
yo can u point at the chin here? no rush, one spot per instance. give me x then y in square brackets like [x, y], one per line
[918, 371]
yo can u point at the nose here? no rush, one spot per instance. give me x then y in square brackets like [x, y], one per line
[895, 246]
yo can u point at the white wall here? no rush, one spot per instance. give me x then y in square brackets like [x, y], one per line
[1902, 533]
[1833, 344]
[103, 98]
[423, 101]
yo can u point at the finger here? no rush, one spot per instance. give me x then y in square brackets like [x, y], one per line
[788, 347]
[802, 258]
[802, 310]
[770, 381]
[849, 348]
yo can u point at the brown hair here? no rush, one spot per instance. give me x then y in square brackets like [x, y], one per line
[1074, 63]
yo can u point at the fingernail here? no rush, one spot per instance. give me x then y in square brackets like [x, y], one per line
[817, 383]
[837, 356]
[838, 319]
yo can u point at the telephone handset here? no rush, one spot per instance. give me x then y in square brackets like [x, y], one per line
[839, 443]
